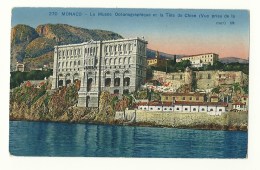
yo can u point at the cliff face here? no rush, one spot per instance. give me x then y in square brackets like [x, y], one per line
[27, 42]
[37, 104]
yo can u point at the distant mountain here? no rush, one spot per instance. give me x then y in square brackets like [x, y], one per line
[28, 43]
[233, 60]
[151, 54]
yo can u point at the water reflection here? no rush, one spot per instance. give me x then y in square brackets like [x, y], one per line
[61, 139]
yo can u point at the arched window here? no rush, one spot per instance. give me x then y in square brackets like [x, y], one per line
[125, 60]
[110, 61]
[129, 59]
[75, 63]
[115, 47]
[120, 60]
[79, 62]
[124, 47]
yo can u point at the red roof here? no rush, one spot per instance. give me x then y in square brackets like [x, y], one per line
[214, 97]
[183, 94]
[201, 103]
[182, 103]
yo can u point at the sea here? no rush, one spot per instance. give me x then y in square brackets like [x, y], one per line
[95, 140]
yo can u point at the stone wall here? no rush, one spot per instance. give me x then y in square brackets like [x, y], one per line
[192, 119]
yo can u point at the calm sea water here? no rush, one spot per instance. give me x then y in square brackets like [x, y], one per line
[62, 139]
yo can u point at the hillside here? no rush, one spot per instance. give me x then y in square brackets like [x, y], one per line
[28, 43]
[233, 60]
[151, 54]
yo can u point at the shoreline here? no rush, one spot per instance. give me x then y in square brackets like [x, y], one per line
[145, 124]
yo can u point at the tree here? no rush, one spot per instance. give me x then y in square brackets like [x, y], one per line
[216, 90]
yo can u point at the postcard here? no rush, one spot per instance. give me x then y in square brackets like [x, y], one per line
[119, 82]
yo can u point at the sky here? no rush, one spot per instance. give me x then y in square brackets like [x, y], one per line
[173, 31]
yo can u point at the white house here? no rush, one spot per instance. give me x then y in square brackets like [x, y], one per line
[239, 106]
[212, 108]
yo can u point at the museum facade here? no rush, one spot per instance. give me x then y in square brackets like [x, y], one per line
[117, 66]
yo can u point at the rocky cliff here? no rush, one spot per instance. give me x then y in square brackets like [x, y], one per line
[28, 43]
[29, 102]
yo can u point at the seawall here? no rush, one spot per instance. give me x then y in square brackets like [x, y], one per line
[227, 121]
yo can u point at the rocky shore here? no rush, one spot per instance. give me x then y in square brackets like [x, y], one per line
[37, 104]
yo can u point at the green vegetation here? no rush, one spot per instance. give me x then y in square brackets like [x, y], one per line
[18, 77]
[244, 67]
[216, 90]
[174, 67]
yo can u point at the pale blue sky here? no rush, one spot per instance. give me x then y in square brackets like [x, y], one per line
[185, 35]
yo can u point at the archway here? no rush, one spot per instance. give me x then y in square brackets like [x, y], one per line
[117, 82]
[126, 81]
[126, 91]
[60, 83]
[89, 84]
[116, 91]
[68, 82]
[108, 82]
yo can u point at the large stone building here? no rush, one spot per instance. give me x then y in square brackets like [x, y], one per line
[200, 59]
[117, 66]
[204, 80]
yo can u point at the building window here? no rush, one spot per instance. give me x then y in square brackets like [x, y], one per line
[186, 109]
[183, 98]
[209, 76]
[220, 110]
[177, 108]
[170, 108]
[202, 109]
[194, 109]
[211, 110]
[190, 98]
[158, 108]
[197, 98]
[165, 108]
[166, 98]
[181, 76]
[151, 108]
